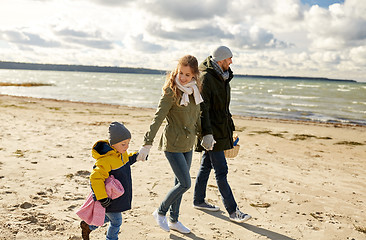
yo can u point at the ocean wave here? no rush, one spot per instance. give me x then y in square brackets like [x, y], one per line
[304, 105]
[293, 96]
[308, 86]
[271, 99]
[357, 102]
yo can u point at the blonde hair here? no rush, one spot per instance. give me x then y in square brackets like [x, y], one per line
[187, 60]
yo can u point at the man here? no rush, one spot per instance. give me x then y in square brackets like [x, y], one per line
[217, 132]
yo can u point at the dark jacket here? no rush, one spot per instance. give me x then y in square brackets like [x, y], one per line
[216, 117]
[110, 162]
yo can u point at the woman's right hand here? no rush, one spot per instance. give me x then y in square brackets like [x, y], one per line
[143, 153]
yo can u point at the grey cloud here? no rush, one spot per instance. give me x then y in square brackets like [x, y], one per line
[186, 10]
[183, 10]
[350, 31]
[25, 48]
[112, 2]
[355, 30]
[257, 38]
[141, 45]
[25, 38]
[340, 25]
[273, 12]
[93, 39]
[73, 33]
[189, 34]
[93, 43]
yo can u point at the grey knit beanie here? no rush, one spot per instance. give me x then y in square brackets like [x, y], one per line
[221, 53]
[118, 133]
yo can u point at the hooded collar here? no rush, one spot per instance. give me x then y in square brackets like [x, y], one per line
[102, 148]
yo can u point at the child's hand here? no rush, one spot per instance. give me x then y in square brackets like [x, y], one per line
[105, 202]
[144, 153]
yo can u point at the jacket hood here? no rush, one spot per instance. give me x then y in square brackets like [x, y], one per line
[206, 66]
[102, 149]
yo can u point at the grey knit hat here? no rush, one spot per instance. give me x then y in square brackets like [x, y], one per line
[118, 133]
[221, 53]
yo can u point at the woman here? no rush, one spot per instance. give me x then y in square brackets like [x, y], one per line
[180, 106]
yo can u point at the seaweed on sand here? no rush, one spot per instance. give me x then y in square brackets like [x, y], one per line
[29, 84]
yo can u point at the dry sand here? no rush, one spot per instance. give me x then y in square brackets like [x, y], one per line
[312, 176]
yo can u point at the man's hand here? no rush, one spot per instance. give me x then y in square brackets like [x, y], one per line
[144, 153]
[208, 142]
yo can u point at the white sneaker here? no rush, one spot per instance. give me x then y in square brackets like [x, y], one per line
[178, 226]
[239, 217]
[161, 221]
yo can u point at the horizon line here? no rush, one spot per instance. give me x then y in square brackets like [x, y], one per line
[116, 69]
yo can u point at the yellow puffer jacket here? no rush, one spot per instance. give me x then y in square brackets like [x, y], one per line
[110, 162]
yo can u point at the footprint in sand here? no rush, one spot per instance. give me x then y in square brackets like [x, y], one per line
[27, 205]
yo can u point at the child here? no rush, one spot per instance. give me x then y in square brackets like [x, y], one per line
[112, 159]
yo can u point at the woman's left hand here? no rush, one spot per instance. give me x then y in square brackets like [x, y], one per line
[144, 153]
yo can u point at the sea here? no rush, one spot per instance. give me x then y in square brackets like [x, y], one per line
[316, 100]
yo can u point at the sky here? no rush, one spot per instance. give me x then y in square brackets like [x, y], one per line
[306, 38]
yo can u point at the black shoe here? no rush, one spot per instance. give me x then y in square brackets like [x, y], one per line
[206, 206]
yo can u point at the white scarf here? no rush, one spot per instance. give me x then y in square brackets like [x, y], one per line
[187, 90]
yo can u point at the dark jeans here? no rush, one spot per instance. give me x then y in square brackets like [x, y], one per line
[217, 161]
[180, 163]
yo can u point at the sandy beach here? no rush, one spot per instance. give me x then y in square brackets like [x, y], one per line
[298, 180]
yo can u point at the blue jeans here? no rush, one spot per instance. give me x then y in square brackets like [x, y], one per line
[115, 219]
[217, 161]
[180, 163]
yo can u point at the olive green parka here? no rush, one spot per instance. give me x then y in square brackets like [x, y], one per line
[179, 134]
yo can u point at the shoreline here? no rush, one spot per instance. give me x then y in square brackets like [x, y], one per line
[305, 122]
[297, 181]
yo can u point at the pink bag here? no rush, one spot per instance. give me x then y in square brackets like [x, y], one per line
[113, 187]
[92, 211]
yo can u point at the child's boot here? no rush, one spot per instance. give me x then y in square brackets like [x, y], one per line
[85, 230]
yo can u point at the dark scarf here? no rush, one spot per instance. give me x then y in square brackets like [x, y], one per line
[225, 75]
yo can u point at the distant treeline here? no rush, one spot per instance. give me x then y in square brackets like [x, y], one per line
[75, 68]
[84, 68]
[294, 77]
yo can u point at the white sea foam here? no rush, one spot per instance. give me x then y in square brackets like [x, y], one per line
[308, 86]
[294, 96]
[304, 105]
